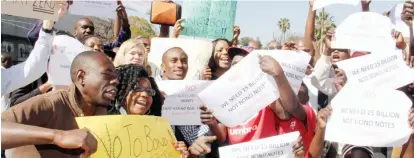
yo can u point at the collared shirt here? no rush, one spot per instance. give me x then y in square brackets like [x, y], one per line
[25, 73]
[54, 110]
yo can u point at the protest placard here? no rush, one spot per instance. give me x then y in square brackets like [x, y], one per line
[104, 9]
[385, 69]
[198, 52]
[367, 117]
[210, 19]
[244, 89]
[45, 10]
[318, 4]
[182, 105]
[130, 136]
[360, 32]
[64, 50]
[277, 146]
[294, 64]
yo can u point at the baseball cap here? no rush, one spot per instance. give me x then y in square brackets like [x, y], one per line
[347, 149]
[233, 51]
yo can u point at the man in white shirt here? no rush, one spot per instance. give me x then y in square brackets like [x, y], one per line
[35, 66]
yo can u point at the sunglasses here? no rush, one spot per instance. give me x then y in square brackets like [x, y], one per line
[273, 48]
[149, 91]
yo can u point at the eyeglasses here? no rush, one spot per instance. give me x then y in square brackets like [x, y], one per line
[149, 91]
[273, 48]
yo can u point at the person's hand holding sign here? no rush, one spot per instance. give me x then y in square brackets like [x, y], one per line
[78, 138]
[207, 117]
[178, 28]
[407, 16]
[199, 147]
[270, 66]
[298, 148]
[236, 32]
[340, 79]
[323, 116]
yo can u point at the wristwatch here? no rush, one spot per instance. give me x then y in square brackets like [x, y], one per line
[47, 31]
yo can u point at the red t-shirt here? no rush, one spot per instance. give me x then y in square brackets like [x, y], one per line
[294, 124]
[260, 126]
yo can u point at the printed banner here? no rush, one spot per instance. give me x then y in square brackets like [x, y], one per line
[130, 136]
[104, 9]
[182, 105]
[198, 52]
[64, 50]
[209, 18]
[369, 118]
[277, 146]
[380, 70]
[318, 4]
[360, 32]
[45, 10]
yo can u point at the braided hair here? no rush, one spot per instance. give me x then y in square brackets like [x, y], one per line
[128, 77]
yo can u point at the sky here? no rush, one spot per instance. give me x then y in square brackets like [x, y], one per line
[259, 18]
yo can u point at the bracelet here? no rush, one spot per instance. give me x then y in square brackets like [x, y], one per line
[47, 31]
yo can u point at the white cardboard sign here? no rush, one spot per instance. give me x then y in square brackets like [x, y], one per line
[369, 118]
[182, 105]
[294, 64]
[45, 10]
[198, 52]
[244, 89]
[360, 32]
[104, 9]
[384, 69]
[277, 146]
[64, 50]
[318, 4]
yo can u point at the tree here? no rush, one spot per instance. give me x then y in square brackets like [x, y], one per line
[323, 23]
[245, 40]
[141, 26]
[284, 25]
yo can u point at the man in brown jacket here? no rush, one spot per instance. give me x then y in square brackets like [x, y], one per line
[48, 121]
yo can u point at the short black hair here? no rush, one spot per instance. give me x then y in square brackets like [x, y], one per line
[128, 77]
[173, 48]
[82, 61]
[211, 63]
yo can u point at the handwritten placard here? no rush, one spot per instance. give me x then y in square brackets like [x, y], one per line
[198, 52]
[105, 9]
[64, 50]
[244, 90]
[276, 146]
[182, 105]
[385, 69]
[360, 32]
[361, 116]
[45, 10]
[209, 18]
[130, 136]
